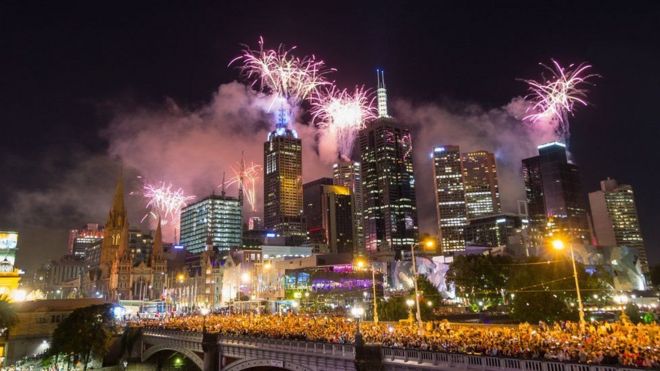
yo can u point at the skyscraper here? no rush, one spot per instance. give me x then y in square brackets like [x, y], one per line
[482, 195]
[615, 220]
[283, 198]
[450, 197]
[82, 239]
[347, 174]
[329, 216]
[555, 202]
[389, 209]
[217, 216]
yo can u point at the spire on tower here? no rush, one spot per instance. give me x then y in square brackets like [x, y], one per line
[117, 215]
[242, 177]
[381, 93]
[223, 185]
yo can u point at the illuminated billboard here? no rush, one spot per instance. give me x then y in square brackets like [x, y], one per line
[8, 240]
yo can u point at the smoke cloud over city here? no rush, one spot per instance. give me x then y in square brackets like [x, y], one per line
[191, 148]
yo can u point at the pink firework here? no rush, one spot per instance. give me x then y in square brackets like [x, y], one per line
[165, 202]
[248, 176]
[342, 114]
[555, 98]
[279, 73]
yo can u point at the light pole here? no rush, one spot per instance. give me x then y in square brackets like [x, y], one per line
[360, 263]
[559, 245]
[428, 244]
[357, 312]
[410, 303]
[204, 312]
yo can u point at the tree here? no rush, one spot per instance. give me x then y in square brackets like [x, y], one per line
[393, 309]
[86, 332]
[545, 290]
[480, 279]
[8, 316]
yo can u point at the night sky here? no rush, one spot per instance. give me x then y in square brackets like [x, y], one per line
[66, 67]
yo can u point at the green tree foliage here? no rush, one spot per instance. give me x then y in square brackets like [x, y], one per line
[86, 332]
[480, 279]
[395, 308]
[8, 316]
[545, 291]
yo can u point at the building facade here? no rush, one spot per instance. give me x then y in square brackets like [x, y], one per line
[555, 202]
[217, 215]
[614, 218]
[82, 239]
[328, 215]
[283, 198]
[388, 183]
[347, 174]
[482, 194]
[450, 198]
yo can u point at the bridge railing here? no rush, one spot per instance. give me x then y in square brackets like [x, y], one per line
[466, 361]
[173, 334]
[333, 349]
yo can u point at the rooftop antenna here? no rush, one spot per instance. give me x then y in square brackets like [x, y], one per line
[241, 177]
[223, 184]
[381, 92]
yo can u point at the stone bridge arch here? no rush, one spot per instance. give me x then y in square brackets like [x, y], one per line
[148, 353]
[246, 364]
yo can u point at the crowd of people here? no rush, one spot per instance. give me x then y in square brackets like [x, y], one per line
[620, 343]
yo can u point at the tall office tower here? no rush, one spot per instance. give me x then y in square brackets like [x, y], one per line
[220, 216]
[615, 220]
[482, 194]
[450, 198]
[388, 184]
[82, 239]
[329, 216]
[555, 203]
[347, 174]
[283, 199]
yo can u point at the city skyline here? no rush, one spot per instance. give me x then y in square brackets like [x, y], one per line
[133, 118]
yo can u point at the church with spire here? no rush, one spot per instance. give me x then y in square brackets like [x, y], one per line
[116, 275]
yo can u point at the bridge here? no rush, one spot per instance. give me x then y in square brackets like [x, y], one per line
[212, 352]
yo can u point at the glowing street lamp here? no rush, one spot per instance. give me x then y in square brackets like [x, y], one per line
[204, 312]
[558, 244]
[410, 303]
[360, 263]
[357, 313]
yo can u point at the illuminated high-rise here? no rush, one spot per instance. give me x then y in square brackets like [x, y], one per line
[482, 195]
[450, 198]
[388, 184]
[218, 217]
[347, 174]
[555, 202]
[329, 216]
[283, 197]
[615, 220]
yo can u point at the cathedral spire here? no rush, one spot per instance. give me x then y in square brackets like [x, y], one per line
[123, 251]
[117, 216]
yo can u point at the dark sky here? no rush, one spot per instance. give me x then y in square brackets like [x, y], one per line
[62, 62]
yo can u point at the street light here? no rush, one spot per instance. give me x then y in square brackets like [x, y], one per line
[410, 303]
[428, 244]
[360, 264]
[357, 313]
[204, 312]
[558, 244]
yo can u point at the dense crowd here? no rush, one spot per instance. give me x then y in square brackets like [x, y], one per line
[620, 343]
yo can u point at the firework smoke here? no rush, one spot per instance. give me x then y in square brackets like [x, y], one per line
[341, 114]
[553, 99]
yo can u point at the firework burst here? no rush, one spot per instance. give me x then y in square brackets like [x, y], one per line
[555, 98]
[289, 79]
[165, 202]
[248, 175]
[342, 113]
